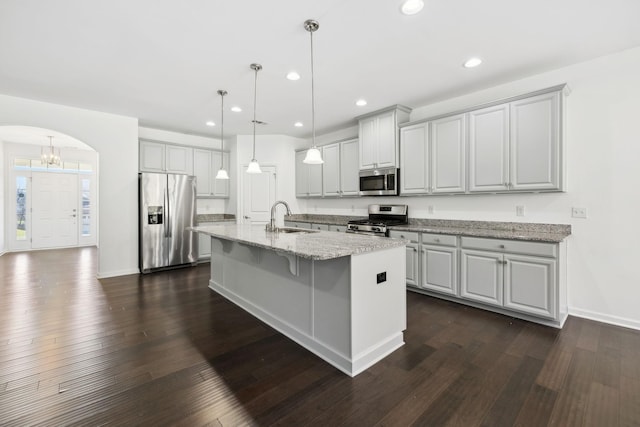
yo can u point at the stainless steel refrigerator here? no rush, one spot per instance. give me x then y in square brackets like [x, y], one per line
[167, 206]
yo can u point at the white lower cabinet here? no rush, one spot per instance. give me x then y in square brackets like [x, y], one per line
[440, 269]
[519, 276]
[413, 256]
[204, 243]
[481, 276]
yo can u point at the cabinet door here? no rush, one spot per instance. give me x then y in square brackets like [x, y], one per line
[331, 170]
[481, 276]
[202, 160]
[440, 269]
[349, 178]
[302, 175]
[412, 265]
[368, 143]
[489, 149]
[315, 180]
[338, 228]
[220, 186]
[448, 142]
[530, 285]
[151, 156]
[179, 159]
[387, 140]
[535, 143]
[414, 164]
[204, 245]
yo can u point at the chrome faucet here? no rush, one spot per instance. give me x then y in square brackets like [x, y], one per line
[272, 224]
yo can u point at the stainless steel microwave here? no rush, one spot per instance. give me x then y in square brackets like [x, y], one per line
[379, 182]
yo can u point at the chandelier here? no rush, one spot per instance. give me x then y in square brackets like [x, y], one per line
[50, 155]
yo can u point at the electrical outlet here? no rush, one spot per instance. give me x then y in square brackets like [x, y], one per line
[430, 209]
[520, 210]
[579, 212]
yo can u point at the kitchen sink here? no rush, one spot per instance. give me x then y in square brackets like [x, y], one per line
[294, 230]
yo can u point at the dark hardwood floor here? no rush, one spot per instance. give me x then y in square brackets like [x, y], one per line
[163, 349]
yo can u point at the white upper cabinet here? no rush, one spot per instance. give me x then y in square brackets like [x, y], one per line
[206, 164]
[349, 177]
[448, 143]
[308, 177]
[202, 162]
[535, 142]
[510, 146]
[331, 170]
[159, 157]
[489, 149]
[152, 156]
[414, 159]
[179, 159]
[378, 136]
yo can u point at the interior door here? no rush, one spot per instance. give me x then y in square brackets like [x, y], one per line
[259, 195]
[54, 210]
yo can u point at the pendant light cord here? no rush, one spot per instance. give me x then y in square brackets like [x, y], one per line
[222, 130]
[313, 102]
[255, 97]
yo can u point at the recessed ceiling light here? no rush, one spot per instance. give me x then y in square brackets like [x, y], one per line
[298, 124]
[292, 75]
[473, 62]
[210, 123]
[236, 109]
[361, 102]
[411, 7]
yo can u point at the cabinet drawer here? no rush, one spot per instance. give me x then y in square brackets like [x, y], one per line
[338, 228]
[511, 246]
[407, 235]
[439, 239]
[322, 227]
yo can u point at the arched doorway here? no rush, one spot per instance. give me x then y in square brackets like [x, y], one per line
[48, 205]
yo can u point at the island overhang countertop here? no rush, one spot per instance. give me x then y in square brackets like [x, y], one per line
[311, 244]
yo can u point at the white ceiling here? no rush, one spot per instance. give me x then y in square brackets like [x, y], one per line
[162, 61]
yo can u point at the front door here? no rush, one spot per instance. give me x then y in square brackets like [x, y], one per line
[259, 195]
[54, 210]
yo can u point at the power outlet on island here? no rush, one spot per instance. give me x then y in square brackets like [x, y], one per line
[579, 212]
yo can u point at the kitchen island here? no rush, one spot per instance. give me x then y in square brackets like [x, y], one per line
[341, 296]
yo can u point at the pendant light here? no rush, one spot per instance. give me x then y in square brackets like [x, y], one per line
[313, 156]
[50, 155]
[222, 173]
[254, 166]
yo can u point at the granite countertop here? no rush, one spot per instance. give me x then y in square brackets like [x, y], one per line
[535, 232]
[200, 218]
[323, 219]
[315, 245]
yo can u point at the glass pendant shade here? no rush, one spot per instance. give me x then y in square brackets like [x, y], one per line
[222, 174]
[254, 167]
[313, 156]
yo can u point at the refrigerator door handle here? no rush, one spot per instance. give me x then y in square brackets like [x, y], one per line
[167, 215]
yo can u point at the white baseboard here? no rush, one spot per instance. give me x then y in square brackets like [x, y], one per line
[605, 318]
[116, 273]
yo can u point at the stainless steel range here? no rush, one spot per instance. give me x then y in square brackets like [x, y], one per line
[380, 218]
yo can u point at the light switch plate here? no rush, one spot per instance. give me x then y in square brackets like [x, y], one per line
[579, 212]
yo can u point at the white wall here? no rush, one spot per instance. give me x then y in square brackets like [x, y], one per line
[603, 149]
[2, 198]
[115, 138]
[203, 206]
[271, 150]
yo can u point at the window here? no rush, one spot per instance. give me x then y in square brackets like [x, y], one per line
[86, 206]
[21, 208]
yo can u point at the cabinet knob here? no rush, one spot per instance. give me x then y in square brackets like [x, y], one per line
[415, 250]
[501, 246]
[437, 240]
[402, 236]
